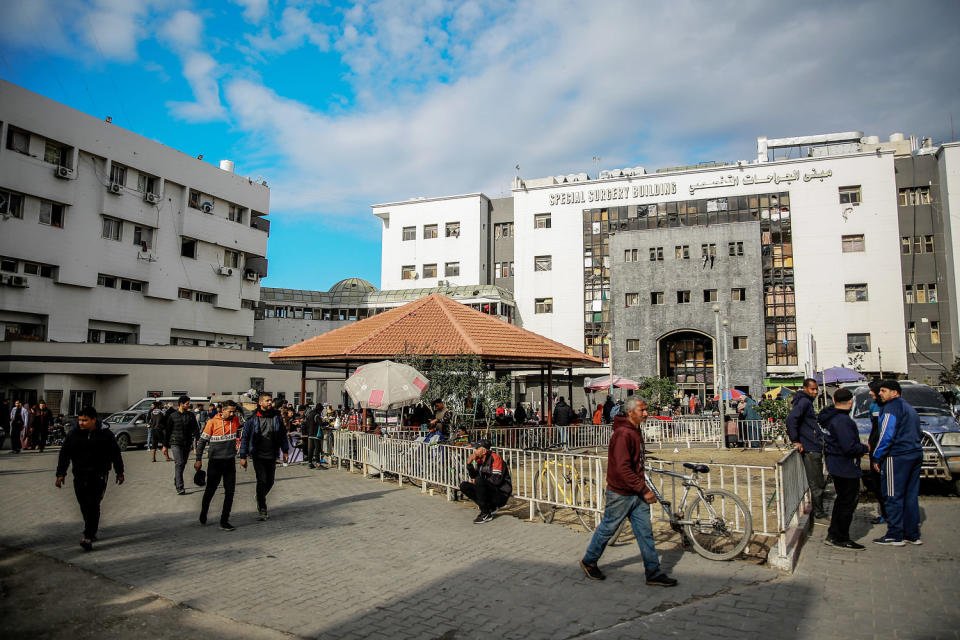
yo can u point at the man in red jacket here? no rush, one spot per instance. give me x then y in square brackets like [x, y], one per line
[627, 496]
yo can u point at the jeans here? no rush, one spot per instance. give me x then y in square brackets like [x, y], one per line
[487, 496]
[179, 463]
[266, 470]
[638, 511]
[900, 477]
[848, 495]
[563, 432]
[89, 490]
[217, 470]
[813, 465]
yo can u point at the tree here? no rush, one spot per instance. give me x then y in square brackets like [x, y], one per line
[951, 377]
[657, 392]
[777, 410]
[855, 362]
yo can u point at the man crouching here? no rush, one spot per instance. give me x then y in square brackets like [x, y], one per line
[489, 484]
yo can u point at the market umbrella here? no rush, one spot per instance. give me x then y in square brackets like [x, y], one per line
[730, 394]
[778, 392]
[599, 384]
[385, 385]
[837, 375]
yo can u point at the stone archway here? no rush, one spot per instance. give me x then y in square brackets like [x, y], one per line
[686, 358]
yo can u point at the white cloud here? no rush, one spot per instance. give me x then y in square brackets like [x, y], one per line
[114, 27]
[183, 30]
[295, 27]
[254, 10]
[200, 71]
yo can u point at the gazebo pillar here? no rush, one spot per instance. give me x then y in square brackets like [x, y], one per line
[303, 384]
[570, 387]
[550, 394]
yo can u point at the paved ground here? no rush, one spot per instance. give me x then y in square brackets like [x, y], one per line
[352, 558]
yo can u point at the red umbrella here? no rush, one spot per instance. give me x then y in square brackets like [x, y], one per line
[732, 394]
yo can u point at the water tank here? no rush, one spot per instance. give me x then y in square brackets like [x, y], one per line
[227, 165]
[896, 137]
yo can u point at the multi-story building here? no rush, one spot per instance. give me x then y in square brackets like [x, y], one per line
[109, 238]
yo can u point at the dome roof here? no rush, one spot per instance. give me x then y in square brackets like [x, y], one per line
[352, 285]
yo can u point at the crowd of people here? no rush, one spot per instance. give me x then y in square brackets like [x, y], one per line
[31, 426]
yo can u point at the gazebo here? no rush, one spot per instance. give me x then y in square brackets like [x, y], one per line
[435, 326]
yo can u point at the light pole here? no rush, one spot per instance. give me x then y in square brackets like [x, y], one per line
[717, 373]
[726, 362]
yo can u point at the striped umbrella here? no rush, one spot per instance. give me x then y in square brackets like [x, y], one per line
[385, 385]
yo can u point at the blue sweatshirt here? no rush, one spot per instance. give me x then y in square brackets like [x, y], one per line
[802, 424]
[841, 443]
[899, 430]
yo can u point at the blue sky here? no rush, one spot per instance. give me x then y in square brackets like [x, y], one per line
[339, 105]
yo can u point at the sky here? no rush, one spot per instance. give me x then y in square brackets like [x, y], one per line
[340, 105]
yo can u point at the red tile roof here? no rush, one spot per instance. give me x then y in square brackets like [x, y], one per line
[434, 325]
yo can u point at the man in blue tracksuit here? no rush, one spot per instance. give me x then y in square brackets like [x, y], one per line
[897, 458]
[804, 433]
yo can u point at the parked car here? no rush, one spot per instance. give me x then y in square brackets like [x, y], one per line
[941, 431]
[129, 427]
[146, 403]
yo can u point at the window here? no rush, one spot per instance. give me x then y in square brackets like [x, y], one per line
[740, 343]
[112, 229]
[632, 299]
[630, 255]
[235, 213]
[11, 204]
[853, 243]
[633, 344]
[656, 254]
[118, 174]
[8, 265]
[682, 252]
[542, 263]
[188, 247]
[708, 250]
[231, 259]
[912, 337]
[429, 231]
[451, 269]
[905, 244]
[106, 281]
[738, 294]
[709, 295]
[502, 230]
[18, 140]
[541, 221]
[914, 195]
[858, 342]
[430, 270]
[928, 244]
[408, 272]
[194, 200]
[543, 305]
[185, 294]
[935, 331]
[35, 269]
[205, 297]
[735, 248]
[683, 297]
[656, 297]
[503, 269]
[855, 292]
[409, 233]
[143, 237]
[248, 304]
[54, 153]
[932, 292]
[850, 195]
[131, 285]
[453, 229]
[51, 213]
[908, 293]
[921, 290]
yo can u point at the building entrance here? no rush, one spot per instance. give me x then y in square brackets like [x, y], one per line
[686, 358]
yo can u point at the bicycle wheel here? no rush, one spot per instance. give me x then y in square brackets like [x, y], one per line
[581, 495]
[712, 520]
[544, 486]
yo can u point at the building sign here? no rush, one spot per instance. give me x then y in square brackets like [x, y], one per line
[614, 193]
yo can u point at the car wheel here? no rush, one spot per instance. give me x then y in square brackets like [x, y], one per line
[123, 441]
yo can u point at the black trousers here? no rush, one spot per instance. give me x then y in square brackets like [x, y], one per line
[218, 470]
[266, 470]
[89, 490]
[871, 482]
[848, 495]
[41, 436]
[487, 496]
[15, 444]
[314, 449]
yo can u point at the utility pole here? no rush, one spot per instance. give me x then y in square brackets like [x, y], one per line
[717, 370]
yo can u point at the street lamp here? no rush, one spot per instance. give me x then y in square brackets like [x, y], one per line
[717, 373]
[726, 362]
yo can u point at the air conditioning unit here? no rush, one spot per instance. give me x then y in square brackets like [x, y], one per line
[225, 271]
[152, 198]
[64, 172]
[116, 187]
[18, 281]
[206, 207]
[251, 276]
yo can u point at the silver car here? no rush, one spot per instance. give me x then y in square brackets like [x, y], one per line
[129, 427]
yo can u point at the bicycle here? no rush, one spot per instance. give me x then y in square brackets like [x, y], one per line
[565, 486]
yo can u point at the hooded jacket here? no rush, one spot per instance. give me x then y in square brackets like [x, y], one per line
[802, 424]
[625, 461]
[562, 414]
[222, 436]
[264, 436]
[841, 443]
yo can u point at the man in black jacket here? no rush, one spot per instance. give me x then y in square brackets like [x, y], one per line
[42, 421]
[842, 449]
[92, 451]
[180, 430]
[804, 433]
[562, 417]
[263, 439]
[490, 485]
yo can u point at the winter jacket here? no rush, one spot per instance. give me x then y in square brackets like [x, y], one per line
[562, 414]
[625, 460]
[494, 470]
[841, 443]
[222, 436]
[92, 453]
[899, 430]
[875, 409]
[802, 424]
[264, 436]
[180, 429]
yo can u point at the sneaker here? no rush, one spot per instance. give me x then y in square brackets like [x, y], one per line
[311, 466]
[878, 520]
[226, 526]
[847, 544]
[203, 518]
[892, 542]
[482, 517]
[662, 580]
[262, 515]
[593, 572]
[182, 492]
[87, 544]
[830, 542]
[918, 541]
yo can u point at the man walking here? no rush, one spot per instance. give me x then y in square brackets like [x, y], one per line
[263, 439]
[898, 457]
[42, 421]
[562, 417]
[804, 433]
[92, 451]
[19, 420]
[489, 486]
[221, 433]
[842, 449]
[627, 496]
[179, 431]
[312, 431]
